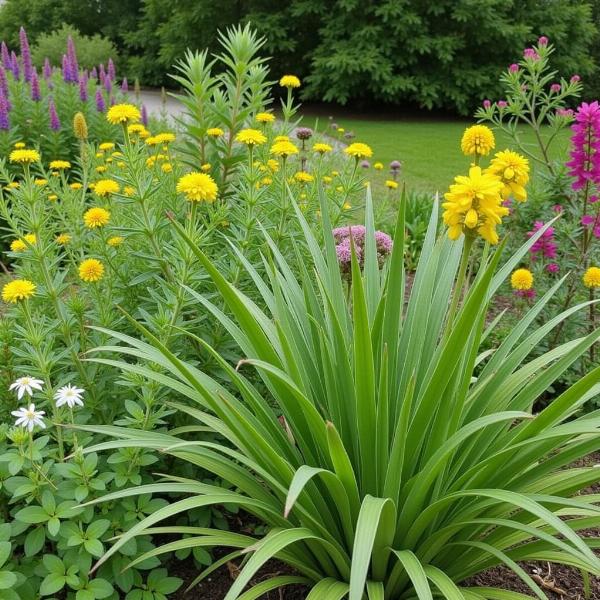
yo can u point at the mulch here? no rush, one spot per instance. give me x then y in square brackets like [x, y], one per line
[559, 582]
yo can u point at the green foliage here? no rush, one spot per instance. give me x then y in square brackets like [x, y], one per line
[91, 51]
[408, 461]
[402, 53]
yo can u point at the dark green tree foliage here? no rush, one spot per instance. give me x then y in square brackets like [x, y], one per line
[433, 54]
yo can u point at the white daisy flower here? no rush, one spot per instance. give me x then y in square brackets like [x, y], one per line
[26, 384]
[69, 395]
[29, 417]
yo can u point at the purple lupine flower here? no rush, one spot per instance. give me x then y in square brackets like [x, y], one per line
[111, 70]
[144, 116]
[124, 85]
[584, 165]
[112, 101]
[3, 83]
[36, 95]
[94, 73]
[544, 247]
[66, 69]
[54, 120]
[6, 61]
[25, 55]
[83, 85]
[47, 70]
[72, 56]
[100, 104]
[4, 110]
[102, 74]
[14, 65]
[108, 85]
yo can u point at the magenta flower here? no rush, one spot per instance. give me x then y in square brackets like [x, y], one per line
[83, 85]
[575, 78]
[102, 74]
[557, 208]
[111, 70]
[555, 88]
[544, 247]
[54, 120]
[94, 73]
[3, 83]
[72, 57]
[486, 103]
[47, 70]
[6, 61]
[543, 41]
[355, 234]
[502, 103]
[552, 268]
[527, 294]
[25, 55]
[530, 54]
[514, 68]
[587, 220]
[584, 165]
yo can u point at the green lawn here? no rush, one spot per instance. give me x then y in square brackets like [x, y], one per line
[428, 148]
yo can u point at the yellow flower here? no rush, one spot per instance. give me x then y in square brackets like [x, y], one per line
[24, 157]
[282, 138]
[80, 128]
[378, 166]
[335, 173]
[477, 140]
[91, 270]
[321, 148]
[166, 168]
[75, 185]
[137, 129]
[303, 177]
[522, 279]
[129, 191]
[23, 244]
[40, 182]
[284, 148]
[340, 130]
[198, 187]
[101, 169]
[59, 165]
[165, 138]
[52, 197]
[359, 150]
[327, 179]
[63, 239]
[96, 217]
[106, 146]
[105, 187]
[18, 289]
[591, 277]
[391, 184]
[289, 81]
[265, 117]
[273, 165]
[266, 180]
[13, 185]
[347, 206]
[214, 132]
[251, 137]
[115, 241]
[474, 203]
[20, 145]
[513, 170]
[123, 113]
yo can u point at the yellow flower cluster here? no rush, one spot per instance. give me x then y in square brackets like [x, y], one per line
[251, 137]
[321, 147]
[591, 277]
[18, 289]
[265, 117]
[513, 170]
[106, 187]
[289, 81]
[96, 217]
[60, 165]
[214, 132]
[24, 156]
[521, 280]
[20, 245]
[123, 113]
[91, 270]
[477, 140]
[283, 148]
[359, 150]
[474, 204]
[198, 187]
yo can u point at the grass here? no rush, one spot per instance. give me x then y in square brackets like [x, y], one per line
[428, 148]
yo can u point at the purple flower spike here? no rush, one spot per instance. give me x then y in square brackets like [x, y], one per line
[584, 165]
[54, 120]
[124, 86]
[144, 116]
[4, 109]
[47, 70]
[72, 56]
[66, 69]
[14, 65]
[108, 85]
[545, 247]
[102, 74]
[6, 62]
[100, 104]
[25, 55]
[94, 73]
[36, 95]
[83, 85]
[3, 83]
[111, 70]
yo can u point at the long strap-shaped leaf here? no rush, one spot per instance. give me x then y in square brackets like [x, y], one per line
[328, 589]
[415, 572]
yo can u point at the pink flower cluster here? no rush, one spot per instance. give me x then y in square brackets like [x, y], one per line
[545, 247]
[355, 234]
[584, 165]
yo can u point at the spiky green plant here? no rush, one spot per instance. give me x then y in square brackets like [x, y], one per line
[409, 460]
